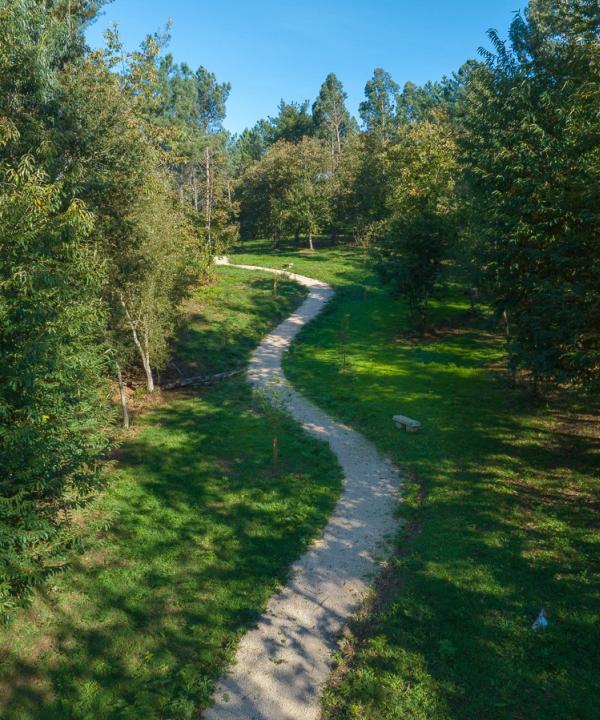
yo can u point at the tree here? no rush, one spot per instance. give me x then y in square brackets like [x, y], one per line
[53, 409]
[144, 237]
[331, 119]
[292, 123]
[287, 192]
[531, 153]
[193, 105]
[251, 145]
[378, 109]
[308, 195]
[420, 227]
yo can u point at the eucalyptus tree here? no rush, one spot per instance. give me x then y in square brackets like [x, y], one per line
[331, 118]
[378, 115]
[378, 109]
[531, 151]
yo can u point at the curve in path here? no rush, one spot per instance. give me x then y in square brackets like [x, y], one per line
[282, 664]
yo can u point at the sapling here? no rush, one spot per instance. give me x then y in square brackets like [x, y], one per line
[271, 404]
[343, 335]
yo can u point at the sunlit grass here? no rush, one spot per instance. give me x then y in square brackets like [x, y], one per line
[501, 499]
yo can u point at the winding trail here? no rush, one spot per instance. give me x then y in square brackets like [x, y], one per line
[282, 664]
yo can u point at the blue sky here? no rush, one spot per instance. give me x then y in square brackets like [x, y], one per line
[270, 49]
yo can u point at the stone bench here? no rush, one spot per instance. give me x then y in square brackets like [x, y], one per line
[406, 423]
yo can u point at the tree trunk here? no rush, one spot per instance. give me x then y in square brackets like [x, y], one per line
[143, 351]
[512, 368]
[310, 240]
[195, 190]
[123, 395]
[181, 186]
[208, 197]
[506, 324]
[146, 362]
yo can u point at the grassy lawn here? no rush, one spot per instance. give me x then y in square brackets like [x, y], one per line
[500, 510]
[193, 534]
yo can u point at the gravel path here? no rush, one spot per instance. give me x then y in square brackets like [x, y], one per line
[282, 664]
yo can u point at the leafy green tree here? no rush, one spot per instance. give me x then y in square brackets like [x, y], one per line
[53, 404]
[420, 228]
[308, 196]
[415, 103]
[531, 151]
[287, 192]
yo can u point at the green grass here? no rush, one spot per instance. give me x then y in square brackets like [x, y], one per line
[200, 530]
[225, 321]
[500, 514]
[342, 266]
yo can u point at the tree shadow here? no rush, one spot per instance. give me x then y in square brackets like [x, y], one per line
[221, 339]
[507, 526]
[205, 533]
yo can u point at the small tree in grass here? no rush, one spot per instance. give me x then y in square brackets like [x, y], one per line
[343, 336]
[271, 404]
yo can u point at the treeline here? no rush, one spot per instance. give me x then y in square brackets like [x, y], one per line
[114, 195]
[491, 177]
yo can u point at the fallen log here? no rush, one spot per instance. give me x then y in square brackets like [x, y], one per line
[201, 380]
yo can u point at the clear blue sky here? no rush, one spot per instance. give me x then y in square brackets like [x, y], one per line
[273, 49]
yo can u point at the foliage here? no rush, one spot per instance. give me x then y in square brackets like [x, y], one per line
[192, 105]
[52, 357]
[414, 239]
[251, 145]
[97, 255]
[531, 152]
[148, 244]
[331, 118]
[378, 109]
[292, 123]
[287, 191]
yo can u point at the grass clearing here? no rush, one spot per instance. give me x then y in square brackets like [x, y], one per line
[202, 531]
[501, 509]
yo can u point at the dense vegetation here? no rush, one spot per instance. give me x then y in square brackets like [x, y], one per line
[491, 175]
[101, 238]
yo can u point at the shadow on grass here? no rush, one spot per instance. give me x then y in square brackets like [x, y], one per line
[225, 323]
[205, 531]
[508, 526]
